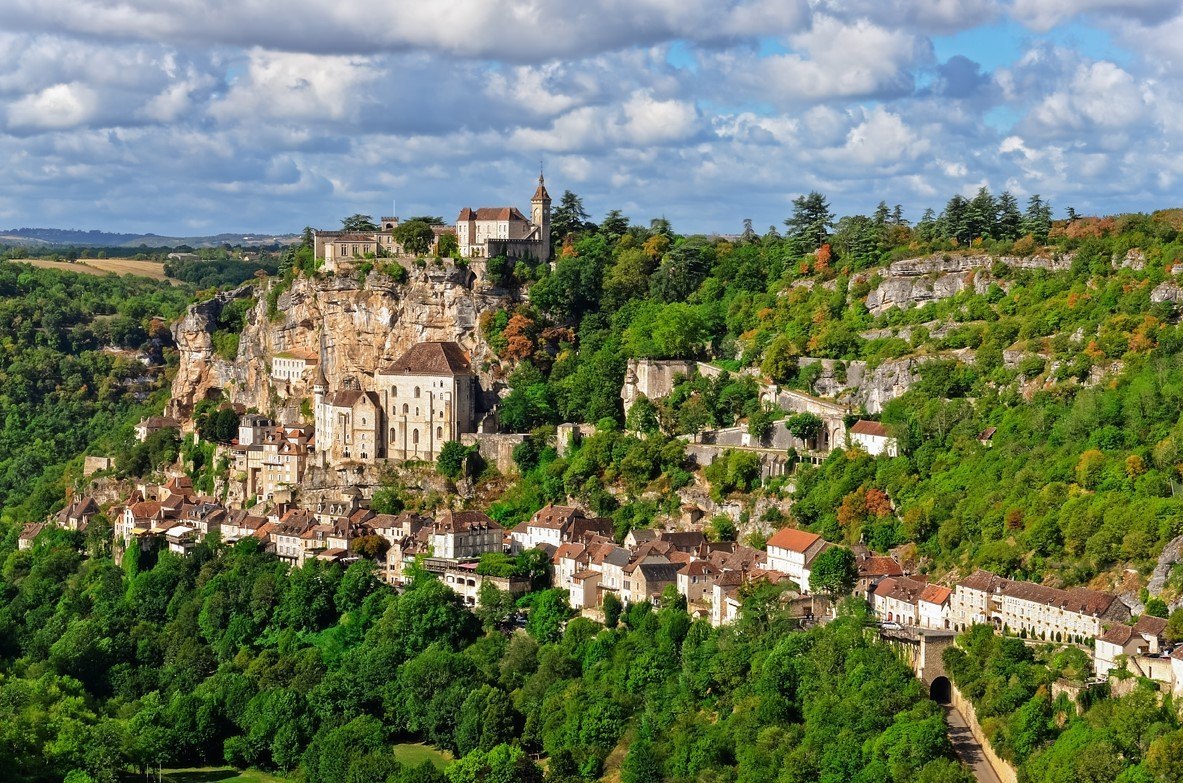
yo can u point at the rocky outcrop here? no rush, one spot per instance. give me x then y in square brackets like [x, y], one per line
[362, 323]
[860, 387]
[915, 281]
[200, 374]
[1167, 292]
[1172, 554]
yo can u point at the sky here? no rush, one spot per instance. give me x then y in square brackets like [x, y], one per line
[188, 117]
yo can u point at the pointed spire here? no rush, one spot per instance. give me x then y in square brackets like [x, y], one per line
[540, 194]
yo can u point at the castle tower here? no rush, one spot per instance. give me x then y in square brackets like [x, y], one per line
[540, 216]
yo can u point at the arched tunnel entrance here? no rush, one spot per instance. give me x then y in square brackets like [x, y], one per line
[940, 691]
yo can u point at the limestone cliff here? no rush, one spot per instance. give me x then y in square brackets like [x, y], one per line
[915, 281]
[362, 322]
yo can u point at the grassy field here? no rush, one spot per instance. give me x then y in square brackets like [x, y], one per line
[414, 754]
[102, 266]
[214, 775]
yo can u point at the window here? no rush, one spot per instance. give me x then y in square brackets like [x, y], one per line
[439, 432]
[414, 436]
[416, 392]
[406, 409]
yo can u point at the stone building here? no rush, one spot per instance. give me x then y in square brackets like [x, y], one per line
[1037, 611]
[488, 232]
[421, 400]
[427, 397]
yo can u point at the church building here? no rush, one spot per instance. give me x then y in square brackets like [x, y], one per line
[421, 400]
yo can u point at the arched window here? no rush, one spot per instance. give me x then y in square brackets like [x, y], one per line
[406, 409]
[439, 432]
[415, 436]
[394, 434]
[416, 392]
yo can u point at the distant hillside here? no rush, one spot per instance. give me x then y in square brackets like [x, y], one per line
[96, 238]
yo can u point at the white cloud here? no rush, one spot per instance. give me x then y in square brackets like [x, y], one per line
[54, 108]
[287, 86]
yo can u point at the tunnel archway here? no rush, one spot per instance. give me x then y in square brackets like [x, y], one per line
[940, 691]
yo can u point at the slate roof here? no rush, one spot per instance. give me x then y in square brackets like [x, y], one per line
[433, 358]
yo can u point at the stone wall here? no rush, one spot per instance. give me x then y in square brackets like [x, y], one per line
[496, 448]
[1005, 772]
[92, 465]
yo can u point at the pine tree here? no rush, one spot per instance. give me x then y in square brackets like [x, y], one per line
[569, 217]
[897, 216]
[1038, 219]
[882, 213]
[981, 215]
[953, 224]
[1010, 219]
[810, 224]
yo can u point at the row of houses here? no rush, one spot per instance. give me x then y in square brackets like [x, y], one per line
[586, 560]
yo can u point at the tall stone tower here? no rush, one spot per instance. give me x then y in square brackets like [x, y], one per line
[540, 215]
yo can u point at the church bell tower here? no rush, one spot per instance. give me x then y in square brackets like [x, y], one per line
[540, 216]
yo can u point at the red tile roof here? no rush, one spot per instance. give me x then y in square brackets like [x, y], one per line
[793, 539]
[864, 427]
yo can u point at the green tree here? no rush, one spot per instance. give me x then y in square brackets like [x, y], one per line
[548, 613]
[569, 218]
[453, 459]
[834, 572]
[359, 223]
[804, 426]
[1156, 607]
[415, 236]
[612, 608]
[809, 225]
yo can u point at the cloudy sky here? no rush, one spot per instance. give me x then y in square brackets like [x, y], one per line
[196, 116]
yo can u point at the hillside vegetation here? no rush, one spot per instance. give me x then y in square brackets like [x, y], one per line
[1062, 351]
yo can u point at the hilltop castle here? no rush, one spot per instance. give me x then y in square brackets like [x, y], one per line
[489, 232]
[485, 232]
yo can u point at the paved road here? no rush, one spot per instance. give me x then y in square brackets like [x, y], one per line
[968, 749]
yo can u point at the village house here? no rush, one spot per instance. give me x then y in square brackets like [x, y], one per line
[1032, 610]
[292, 368]
[459, 535]
[555, 525]
[792, 551]
[872, 569]
[585, 589]
[77, 515]
[695, 579]
[151, 424]
[873, 438]
[28, 535]
[894, 600]
[1143, 644]
[467, 583]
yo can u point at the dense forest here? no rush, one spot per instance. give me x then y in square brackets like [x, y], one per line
[71, 374]
[228, 655]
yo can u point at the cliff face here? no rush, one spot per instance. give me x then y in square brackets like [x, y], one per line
[915, 281]
[362, 323]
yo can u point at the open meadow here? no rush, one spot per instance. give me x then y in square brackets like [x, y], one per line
[102, 266]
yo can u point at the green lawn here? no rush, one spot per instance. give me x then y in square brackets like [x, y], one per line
[217, 775]
[414, 754]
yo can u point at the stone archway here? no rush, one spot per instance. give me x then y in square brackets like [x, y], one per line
[941, 691]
